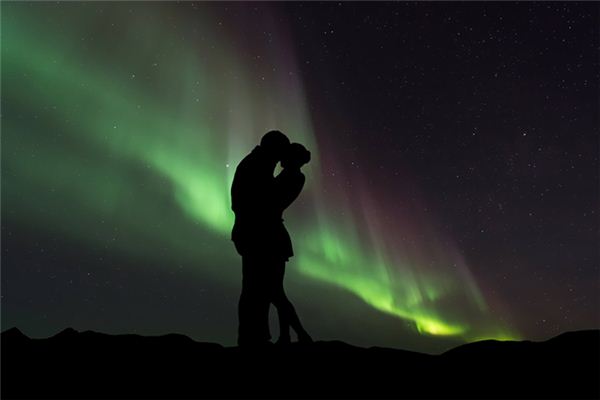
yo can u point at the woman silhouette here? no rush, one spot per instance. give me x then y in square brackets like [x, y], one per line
[288, 185]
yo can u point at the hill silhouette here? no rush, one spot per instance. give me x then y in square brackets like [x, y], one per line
[88, 364]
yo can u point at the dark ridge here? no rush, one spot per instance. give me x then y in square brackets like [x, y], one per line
[590, 334]
[89, 364]
[571, 341]
[13, 334]
[65, 334]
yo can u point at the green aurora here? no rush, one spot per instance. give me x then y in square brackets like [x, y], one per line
[100, 109]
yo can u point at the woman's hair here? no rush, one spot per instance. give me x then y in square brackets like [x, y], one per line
[296, 155]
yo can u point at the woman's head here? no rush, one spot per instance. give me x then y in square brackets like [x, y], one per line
[295, 156]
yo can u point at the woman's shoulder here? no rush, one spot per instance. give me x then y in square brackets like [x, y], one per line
[297, 175]
[290, 178]
[289, 173]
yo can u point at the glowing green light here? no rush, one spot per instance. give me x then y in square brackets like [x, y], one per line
[183, 122]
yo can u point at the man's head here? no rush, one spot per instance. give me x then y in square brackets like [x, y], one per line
[275, 144]
[295, 156]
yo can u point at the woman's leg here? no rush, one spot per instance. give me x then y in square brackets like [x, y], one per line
[287, 313]
[288, 317]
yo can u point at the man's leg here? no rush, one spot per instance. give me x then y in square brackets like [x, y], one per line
[261, 302]
[253, 307]
[245, 304]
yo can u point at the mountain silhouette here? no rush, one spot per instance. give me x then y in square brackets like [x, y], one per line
[89, 364]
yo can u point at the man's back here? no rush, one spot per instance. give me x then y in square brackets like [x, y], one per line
[251, 178]
[252, 202]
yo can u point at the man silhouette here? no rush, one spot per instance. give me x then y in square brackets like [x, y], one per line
[255, 234]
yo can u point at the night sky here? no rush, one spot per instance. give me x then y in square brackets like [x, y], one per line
[452, 196]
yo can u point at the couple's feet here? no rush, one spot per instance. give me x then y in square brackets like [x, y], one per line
[255, 344]
[303, 338]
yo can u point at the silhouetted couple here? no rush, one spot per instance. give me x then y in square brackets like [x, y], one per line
[258, 200]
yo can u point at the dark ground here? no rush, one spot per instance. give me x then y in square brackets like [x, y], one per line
[93, 365]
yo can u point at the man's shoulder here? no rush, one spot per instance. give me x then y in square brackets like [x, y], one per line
[251, 158]
[248, 162]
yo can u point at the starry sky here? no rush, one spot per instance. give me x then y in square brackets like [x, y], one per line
[452, 195]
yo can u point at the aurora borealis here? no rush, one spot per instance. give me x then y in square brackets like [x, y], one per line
[122, 124]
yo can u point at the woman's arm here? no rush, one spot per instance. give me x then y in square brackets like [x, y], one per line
[287, 189]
